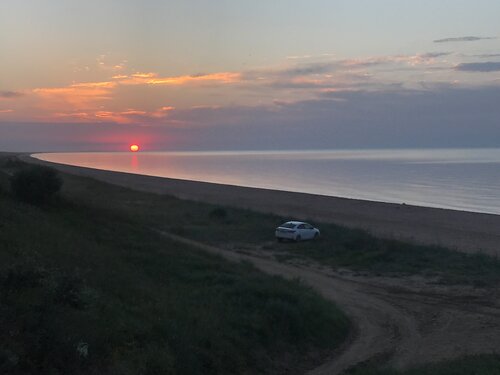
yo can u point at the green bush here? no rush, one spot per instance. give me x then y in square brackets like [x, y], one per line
[36, 184]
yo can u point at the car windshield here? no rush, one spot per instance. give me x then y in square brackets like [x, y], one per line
[288, 225]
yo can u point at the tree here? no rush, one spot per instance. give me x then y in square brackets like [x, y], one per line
[36, 184]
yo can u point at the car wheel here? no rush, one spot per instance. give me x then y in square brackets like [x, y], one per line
[279, 239]
[316, 235]
[298, 238]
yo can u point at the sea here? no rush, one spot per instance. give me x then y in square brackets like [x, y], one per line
[460, 179]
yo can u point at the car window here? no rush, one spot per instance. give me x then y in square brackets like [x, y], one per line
[308, 226]
[288, 225]
[301, 226]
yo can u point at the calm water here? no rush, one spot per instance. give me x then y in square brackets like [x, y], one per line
[458, 179]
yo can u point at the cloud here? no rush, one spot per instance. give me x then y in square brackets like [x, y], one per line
[446, 117]
[412, 60]
[307, 57]
[11, 94]
[488, 55]
[432, 55]
[6, 110]
[347, 74]
[300, 57]
[101, 100]
[78, 95]
[443, 117]
[149, 78]
[130, 96]
[91, 85]
[144, 75]
[479, 67]
[463, 39]
[103, 64]
[223, 77]
[85, 98]
[308, 69]
[128, 116]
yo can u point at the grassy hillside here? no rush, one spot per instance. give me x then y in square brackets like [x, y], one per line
[90, 288]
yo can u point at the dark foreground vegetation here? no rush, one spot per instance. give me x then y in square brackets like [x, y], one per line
[91, 289]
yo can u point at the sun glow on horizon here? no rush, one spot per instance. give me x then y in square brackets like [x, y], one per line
[134, 148]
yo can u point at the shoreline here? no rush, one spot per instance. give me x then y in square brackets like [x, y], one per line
[399, 176]
[459, 230]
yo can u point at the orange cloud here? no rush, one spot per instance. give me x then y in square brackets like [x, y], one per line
[224, 77]
[6, 110]
[105, 84]
[133, 112]
[88, 101]
[153, 79]
[144, 75]
[78, 95]
[87, 95]
[162, 112]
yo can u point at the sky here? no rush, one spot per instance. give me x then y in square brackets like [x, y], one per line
[98, 75]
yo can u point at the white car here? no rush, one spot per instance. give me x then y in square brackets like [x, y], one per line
[296, 231]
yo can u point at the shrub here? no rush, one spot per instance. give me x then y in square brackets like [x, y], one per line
[36, 184]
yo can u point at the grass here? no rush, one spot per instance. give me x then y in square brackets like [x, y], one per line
[88, 287]
[339, 247]
[472, 365]
[359, 251]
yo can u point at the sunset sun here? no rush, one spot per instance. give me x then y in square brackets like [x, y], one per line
[134, 148]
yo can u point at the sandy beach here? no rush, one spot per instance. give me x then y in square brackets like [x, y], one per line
[459, 230]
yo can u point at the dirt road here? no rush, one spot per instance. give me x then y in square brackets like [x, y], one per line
[407, 321]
